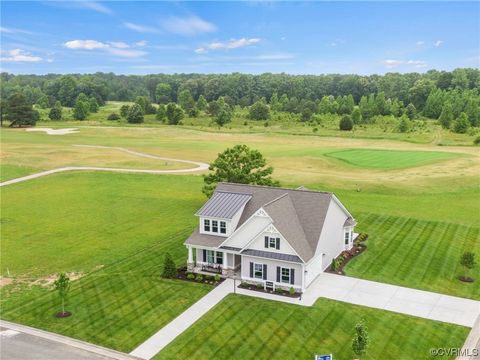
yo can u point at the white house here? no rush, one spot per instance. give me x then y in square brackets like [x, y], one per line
[274, 236]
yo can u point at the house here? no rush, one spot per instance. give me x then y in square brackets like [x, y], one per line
[274, 236]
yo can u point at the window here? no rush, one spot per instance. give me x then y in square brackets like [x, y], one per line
[210, 256]
[272, 243]
[206, 225]
[347, 237]
[258, 271]
[219, 258]
[215, 226]
[285, 276]
[223, 227]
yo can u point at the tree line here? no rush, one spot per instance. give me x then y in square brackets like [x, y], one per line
[443, 95]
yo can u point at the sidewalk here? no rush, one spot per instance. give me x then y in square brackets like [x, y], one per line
[168, 333]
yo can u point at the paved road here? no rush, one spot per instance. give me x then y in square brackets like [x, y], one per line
[199, 166]
[16, 345]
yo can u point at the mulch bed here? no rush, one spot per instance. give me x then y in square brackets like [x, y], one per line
[466, 279]
[182, 274]
[63, 314]
[348, 255]
[254, 288]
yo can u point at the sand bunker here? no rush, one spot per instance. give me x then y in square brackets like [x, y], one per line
[55, 131]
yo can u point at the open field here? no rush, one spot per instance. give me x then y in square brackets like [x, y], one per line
[76, 221]
[118, 306]
[388, 159]
[241, 327]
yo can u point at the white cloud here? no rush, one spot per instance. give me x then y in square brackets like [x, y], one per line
[7, 30]
[85, 44]
[19, 55]
[188, 26]
[438, 43]
[140, 28]
[420, 42]
[115, 48]
[227, 45]
[390, 63]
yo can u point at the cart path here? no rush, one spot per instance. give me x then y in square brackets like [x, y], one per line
[200, 166]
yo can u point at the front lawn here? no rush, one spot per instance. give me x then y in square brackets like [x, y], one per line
[417, 253]
[242, 327]
[119, 306]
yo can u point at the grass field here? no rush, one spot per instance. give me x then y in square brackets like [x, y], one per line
[388, 159]
[118, 306]
[416, 253]
[94, 220]
[9, 171]
[248, 328]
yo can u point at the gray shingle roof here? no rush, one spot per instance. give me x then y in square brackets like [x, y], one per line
[350, 222]
[272, 255]
[204, 239]
[224, 204]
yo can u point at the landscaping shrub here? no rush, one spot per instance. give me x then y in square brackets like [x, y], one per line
[346, 123]
[259, 285]
[113, 116]
[217, 277]
[291, 291]
[169, 268]
[199, 277]
[279, 290]
[190, 276]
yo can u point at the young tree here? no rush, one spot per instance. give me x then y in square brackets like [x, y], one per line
[224, 114]
[56, 111]
[202, 103]
[467, 260]
[411, 111]
[174, 114]
[446, 117]
[260, 110]
[308, 108]
[42, 102]
[324, 107]
[124, 110]
[161, 113]
[275, 102]
[357, 116]
[404, 124]
[80, 111]
[461, 125]
[93, 104]
[346, 123]
[241, 165]
[62, 286]
[169, 267]
[20, 112]
[135, 114]
[360, 340]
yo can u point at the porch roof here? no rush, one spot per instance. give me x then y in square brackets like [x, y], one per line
[272, 255]
[204, 239]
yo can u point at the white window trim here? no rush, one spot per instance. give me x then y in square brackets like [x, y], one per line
[289, 275]
[254, 271]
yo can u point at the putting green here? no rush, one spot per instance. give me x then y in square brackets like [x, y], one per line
[388, 159]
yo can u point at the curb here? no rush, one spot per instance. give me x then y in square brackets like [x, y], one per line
[96, 349]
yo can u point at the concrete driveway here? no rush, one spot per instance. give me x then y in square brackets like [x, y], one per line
[425, 304]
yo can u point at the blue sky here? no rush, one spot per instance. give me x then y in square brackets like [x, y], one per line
[250, 37]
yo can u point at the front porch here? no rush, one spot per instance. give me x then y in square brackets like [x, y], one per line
[211, 261]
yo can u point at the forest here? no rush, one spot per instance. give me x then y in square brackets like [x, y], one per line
[452, 97]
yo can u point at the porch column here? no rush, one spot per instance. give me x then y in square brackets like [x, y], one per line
[225, 259]
[190, 254]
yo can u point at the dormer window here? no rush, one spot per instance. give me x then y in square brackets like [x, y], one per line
[272, 242]
[206, 225]
[223, 227]
[215, 226]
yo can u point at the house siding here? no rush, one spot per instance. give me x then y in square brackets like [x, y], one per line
[250, 228]
[271, 271]
[259, 244]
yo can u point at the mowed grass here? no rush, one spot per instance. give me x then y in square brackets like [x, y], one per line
[77, 221]
[417, 253]
[242, 327]
[9, 171]
[119, 306]
[388, 159]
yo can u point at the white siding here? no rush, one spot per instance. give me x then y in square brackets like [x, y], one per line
[313, 268]
[271, 271]
[331, 241]
[259, 243]
[247, 231]
[235, 219]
